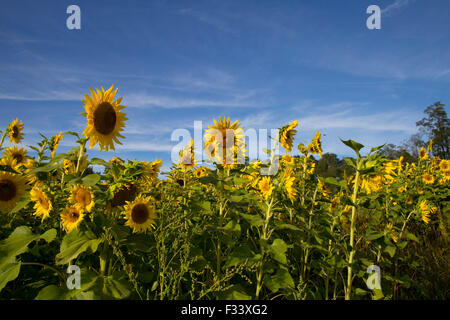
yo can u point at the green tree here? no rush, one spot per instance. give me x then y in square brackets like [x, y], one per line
[436, 126]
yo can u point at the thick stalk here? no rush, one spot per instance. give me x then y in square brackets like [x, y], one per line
[352, 234]
[265, 237]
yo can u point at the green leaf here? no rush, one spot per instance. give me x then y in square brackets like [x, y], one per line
[51, 292]
[281, 280]
[390, 250]
[8, 273]
[75, 243]
[411, 236]
[91, 180]
[117, 286]
[18, 241]
[356, 146]
[45, 168]
[254, 220]
[377, 148]
[278, 251]
[100, 162]
[22, 203]
[235, 295]
[240, 255]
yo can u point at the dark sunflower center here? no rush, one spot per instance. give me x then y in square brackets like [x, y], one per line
[18, 157]
[140, 213]
[15, 132]
[124, 194]
[105, 118]
[74, 215]
[7, 190]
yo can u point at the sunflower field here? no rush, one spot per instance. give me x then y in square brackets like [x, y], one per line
[220, 230]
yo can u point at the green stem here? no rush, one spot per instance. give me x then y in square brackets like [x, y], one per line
[352, 234]
[60, 274]
[265, 236]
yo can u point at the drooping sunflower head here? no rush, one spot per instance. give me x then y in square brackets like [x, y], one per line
[104, 118]
[140, 214]
[19, 154]
[71, 218]
[54, 142]
[82, 198]
[287, 135]
[12, 187]
[317, 143]
[42, 205]
[225, 141]
[265, 187]
[15, 129]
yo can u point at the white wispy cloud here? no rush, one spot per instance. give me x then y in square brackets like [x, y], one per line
[395, 6]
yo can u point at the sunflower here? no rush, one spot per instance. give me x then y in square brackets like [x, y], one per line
[187, 157]
[265, 188]
[124, 194]
[55, 142]
[317, 143]
[201, 172]
[19, 154]
[104, 118]
[151, 170]
[10, 162]
[426, 209]
[43, 205]
[444, 165]
[288, 160]
[71, 218]
[423, 155]
[140, 214]
[225, 142]
[289, 183]
[70, 166]
[428, 178]
[12, 187]
[15, 131]
[287, 135]
[82, 198]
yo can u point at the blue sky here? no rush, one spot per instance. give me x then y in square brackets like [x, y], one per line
[264, 63]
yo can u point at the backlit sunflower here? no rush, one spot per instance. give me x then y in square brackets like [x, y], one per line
[104, 118]
[140, 214]
[71, 218]
[42, 205]
[265, 187]
[12, 187]
[225, 142]
[287, 135]
[15, 131]
[19, 154]
[288, 160]
[82, 198]
[55, 142]
[187, 157]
